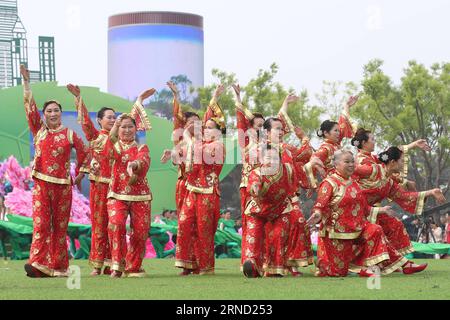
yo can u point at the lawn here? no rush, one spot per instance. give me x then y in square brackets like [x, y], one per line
[228, 283]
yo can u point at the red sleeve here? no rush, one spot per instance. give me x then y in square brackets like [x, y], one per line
[322, 153]
[345, 127]
[85, 121]
[254, 179]
[243, 124]
[82, 151]
[324, 195]
[410, 201]
[311, 173]
[303, 154]
[178, 119]
[32, 113]
[143, 158]
[366, 169]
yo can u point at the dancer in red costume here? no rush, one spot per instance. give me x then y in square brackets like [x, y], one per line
[378, 178]
[270, 186]
[346, 238]
[199, 215]
[52, 193]
[181, 120]
[249, 126]
[129, 192]
[100, 254]
[333, 134]
[300, 253]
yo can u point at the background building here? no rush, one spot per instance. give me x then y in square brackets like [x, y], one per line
[14, 49]
[146, 49]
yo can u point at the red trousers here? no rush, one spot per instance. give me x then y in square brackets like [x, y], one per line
[299, 253]
[336, 256]
[266, 243]
[197, 225]
[51, 213]
[180, 194]
[395, 233]
[100, 253]
[123, 258]
[244, 198]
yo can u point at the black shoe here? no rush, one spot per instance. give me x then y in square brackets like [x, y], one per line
[250, 270]
[33, 272]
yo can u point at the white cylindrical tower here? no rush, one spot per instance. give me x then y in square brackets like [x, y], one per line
[146, 49]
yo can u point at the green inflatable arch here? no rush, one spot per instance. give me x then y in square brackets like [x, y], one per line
[15, 136]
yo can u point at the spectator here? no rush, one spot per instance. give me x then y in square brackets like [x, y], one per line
[437, 232]
[226, 223]
[238, 225]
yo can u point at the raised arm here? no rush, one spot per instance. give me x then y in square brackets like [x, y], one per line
[283, 113]
[138, 111]
[243, 116]
[178, 119]
[346, 127]
[84, 120]
[214, 110]
[421, 144]
[34, 119]
[413, 201]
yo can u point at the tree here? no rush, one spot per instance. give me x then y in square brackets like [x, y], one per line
[333, 96]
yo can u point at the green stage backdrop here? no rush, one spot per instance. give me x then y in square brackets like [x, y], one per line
[15, 136]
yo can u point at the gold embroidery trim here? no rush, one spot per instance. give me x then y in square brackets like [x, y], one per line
[47, 178]
[209, 190]
[420, 203]
[127, 197]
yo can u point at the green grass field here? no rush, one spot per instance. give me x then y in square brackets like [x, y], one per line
[228, 283]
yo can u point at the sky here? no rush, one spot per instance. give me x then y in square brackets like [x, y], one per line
[311, 41]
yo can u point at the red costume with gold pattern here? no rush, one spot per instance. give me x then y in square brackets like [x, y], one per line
[180, 188]
[200, 211]
[328, 148]
[370, 174]
[299, 253]
[248, 143]
[100, 253]
[268, 215]
[52, 193]
[346, 239]
[129, 195]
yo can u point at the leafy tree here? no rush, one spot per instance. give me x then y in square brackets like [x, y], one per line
[419, 108]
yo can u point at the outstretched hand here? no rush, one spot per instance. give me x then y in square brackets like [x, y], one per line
[422, 144]
[439, 196]
[74, 89]
[351, 101]
[387, 210]
[173, 87]
[25, 73]
[146, 94]
[299, 133]
[237, 92]
[132, 167]
[290, 98]
[166, 156]
[314, 219]
[219, 90]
